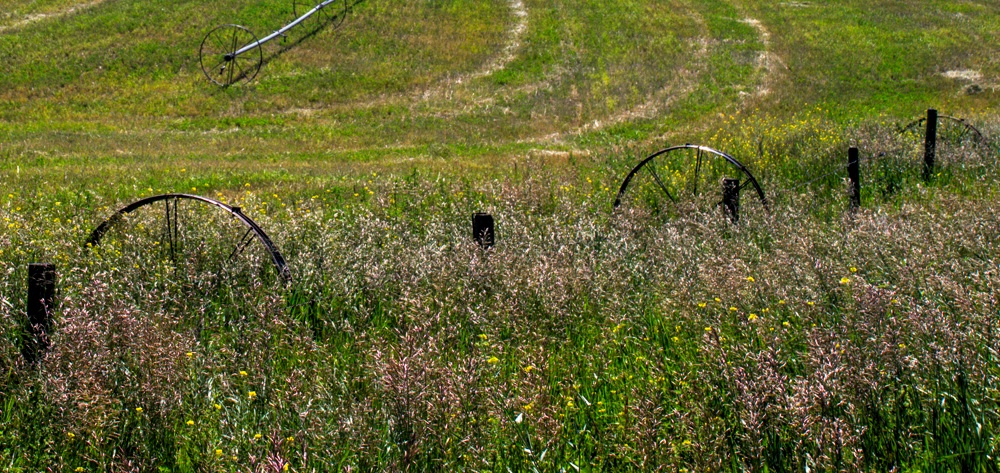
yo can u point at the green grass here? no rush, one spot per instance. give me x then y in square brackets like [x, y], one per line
[654, 337]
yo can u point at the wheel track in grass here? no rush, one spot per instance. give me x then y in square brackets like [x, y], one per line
[437, 101]
[452, 98]
[36, 17]
[445, 88]
[449, 98]
[684, 83]
[686, 80]
[769, 67]
[769, 63]
[500, 62]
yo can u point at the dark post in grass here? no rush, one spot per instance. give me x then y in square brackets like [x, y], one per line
[41, 297]
[731, 198]
[930, 143]
[854, 173]
[482, 229]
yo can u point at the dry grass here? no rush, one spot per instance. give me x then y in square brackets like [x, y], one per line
[808, 338]
[656, 337]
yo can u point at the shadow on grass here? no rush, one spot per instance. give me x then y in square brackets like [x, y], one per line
[336, 20]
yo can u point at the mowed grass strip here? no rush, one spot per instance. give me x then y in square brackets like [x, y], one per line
[855, 61]
[575, 64]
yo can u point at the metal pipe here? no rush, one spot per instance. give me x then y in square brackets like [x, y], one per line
[230, 57]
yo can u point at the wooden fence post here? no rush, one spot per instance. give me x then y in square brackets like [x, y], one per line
[854, 173]
[731, 198]
[41, 300]
[482, 229]
[930, 143]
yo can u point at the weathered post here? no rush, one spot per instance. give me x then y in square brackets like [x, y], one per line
[482, 229]
[731, 198]
[930, 143]
[854, 173]
[41, 297]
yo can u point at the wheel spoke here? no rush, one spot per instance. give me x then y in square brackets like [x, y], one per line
[242, 75]
[177, 235]
[656, 177]
[169, 229]
[244, 241]
[221, 44]
[697, 171]
[229, 80]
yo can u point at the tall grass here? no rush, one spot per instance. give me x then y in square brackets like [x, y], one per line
[807, 338]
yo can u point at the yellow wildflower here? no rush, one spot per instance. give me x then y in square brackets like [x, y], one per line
[256, 436]
[138, 409]
[845, 280]
[252, 395]
[752, 317]
[493, 360]
[189, 354]
[218, 406]
[733, 309]
[190, 422]
[750, 279]
[853, 269]
[702, 305]
[243, 373]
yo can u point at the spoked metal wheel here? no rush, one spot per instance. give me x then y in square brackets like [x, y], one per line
[230, 54]
[949, 129]
[188, 246]
[956, 138]
[687, 175]
[332, 12]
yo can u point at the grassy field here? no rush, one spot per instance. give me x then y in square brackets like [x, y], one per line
[658, 336]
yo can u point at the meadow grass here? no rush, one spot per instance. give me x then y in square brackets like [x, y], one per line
[657, 336]
[630, 340]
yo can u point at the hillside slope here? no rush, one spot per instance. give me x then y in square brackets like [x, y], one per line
[122, 76]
